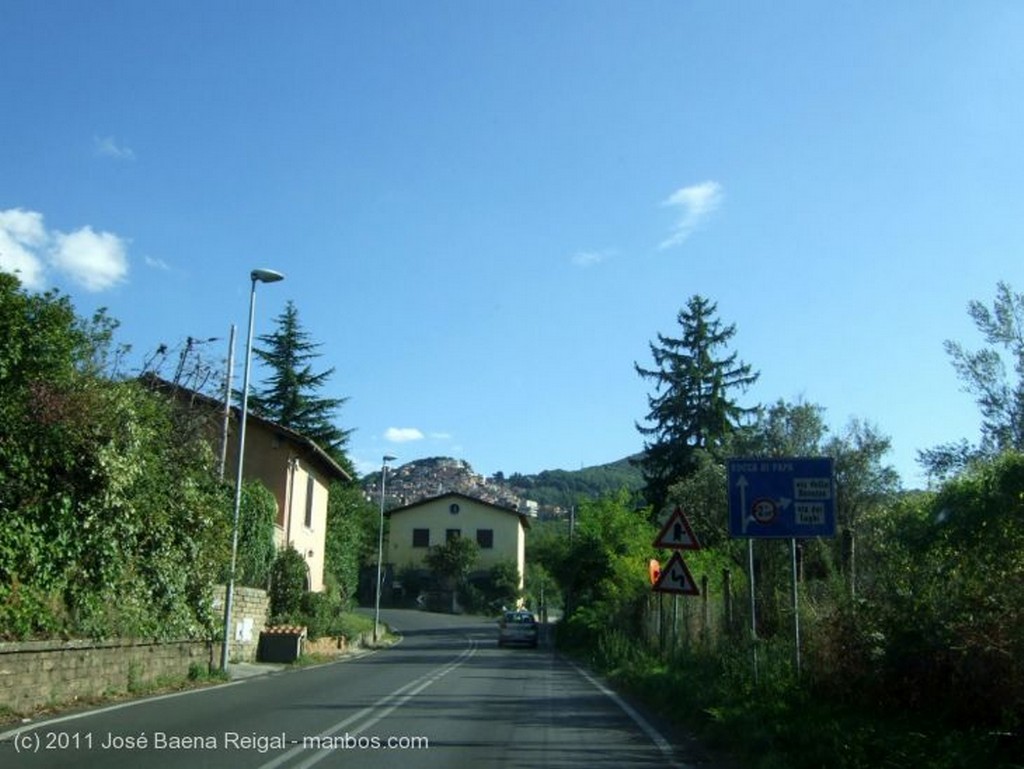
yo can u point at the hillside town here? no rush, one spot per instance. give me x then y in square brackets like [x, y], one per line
[433, 476]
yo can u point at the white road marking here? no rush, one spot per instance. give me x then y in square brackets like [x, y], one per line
[653, 734]
[373, 714]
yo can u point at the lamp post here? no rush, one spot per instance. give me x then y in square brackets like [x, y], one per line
[380, 544]
[262, 276]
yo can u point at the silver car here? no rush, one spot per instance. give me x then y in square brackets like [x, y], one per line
[518, 627]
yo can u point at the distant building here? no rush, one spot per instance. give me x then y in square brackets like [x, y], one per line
[531, 508]
[499, 531]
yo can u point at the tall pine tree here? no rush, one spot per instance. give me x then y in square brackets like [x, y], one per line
[692, 408]
[289, 396]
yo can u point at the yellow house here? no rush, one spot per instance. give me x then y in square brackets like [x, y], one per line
[299, 474]
[293, 467]
[500, 532]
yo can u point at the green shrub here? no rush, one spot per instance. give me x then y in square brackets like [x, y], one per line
[114, 522]
[288, 579]
[256, 552]
[321, 613]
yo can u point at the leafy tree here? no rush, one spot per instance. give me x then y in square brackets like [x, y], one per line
[604, 572]
[452, 561]
[497, 587]
[863, 480]
[351, 521]
[547, 549]
[547, 556]
[693, 407]
[783, 430]
[704, 496]
[43, 340]
[947, 459]
[290, 395]
[984, 374]
[451, 564]
[504, 580]
[542, 591]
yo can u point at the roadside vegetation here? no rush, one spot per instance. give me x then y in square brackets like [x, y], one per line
[912, 618]
[113, 523]
[116, 522]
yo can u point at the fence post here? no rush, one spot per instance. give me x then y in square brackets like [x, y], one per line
[675, 623]
[727, 600]
[796, 607]
[705, 601]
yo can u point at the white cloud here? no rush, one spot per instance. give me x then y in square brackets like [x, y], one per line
[590, 258]
[402, 434]
[94, 260]
[441, 436]
[695, 204]
[156, 264]
[22, 236]
[107, 147]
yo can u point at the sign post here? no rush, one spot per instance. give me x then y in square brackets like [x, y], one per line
[781, 498]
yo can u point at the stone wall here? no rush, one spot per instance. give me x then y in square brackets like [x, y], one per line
[35, 674]
[250, 609]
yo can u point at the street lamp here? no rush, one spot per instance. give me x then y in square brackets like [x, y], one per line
[262, 276]
[380, 544]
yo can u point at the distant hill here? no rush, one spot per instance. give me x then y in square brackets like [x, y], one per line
[554, 491]
[563, 488]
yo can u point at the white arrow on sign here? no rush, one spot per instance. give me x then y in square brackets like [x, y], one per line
[742, 483]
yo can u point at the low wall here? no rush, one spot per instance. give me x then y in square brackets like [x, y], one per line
[34, 674]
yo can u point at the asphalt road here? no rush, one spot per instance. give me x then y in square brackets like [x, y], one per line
[445, 696]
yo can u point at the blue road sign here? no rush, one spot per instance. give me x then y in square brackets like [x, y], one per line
[782, 497]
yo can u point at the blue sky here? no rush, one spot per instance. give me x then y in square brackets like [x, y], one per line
[485, 211]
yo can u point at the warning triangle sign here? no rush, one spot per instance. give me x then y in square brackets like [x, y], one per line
[676, 578]
[677, 534]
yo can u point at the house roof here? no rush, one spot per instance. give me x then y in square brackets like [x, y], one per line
[322, 458]
[523, 518]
